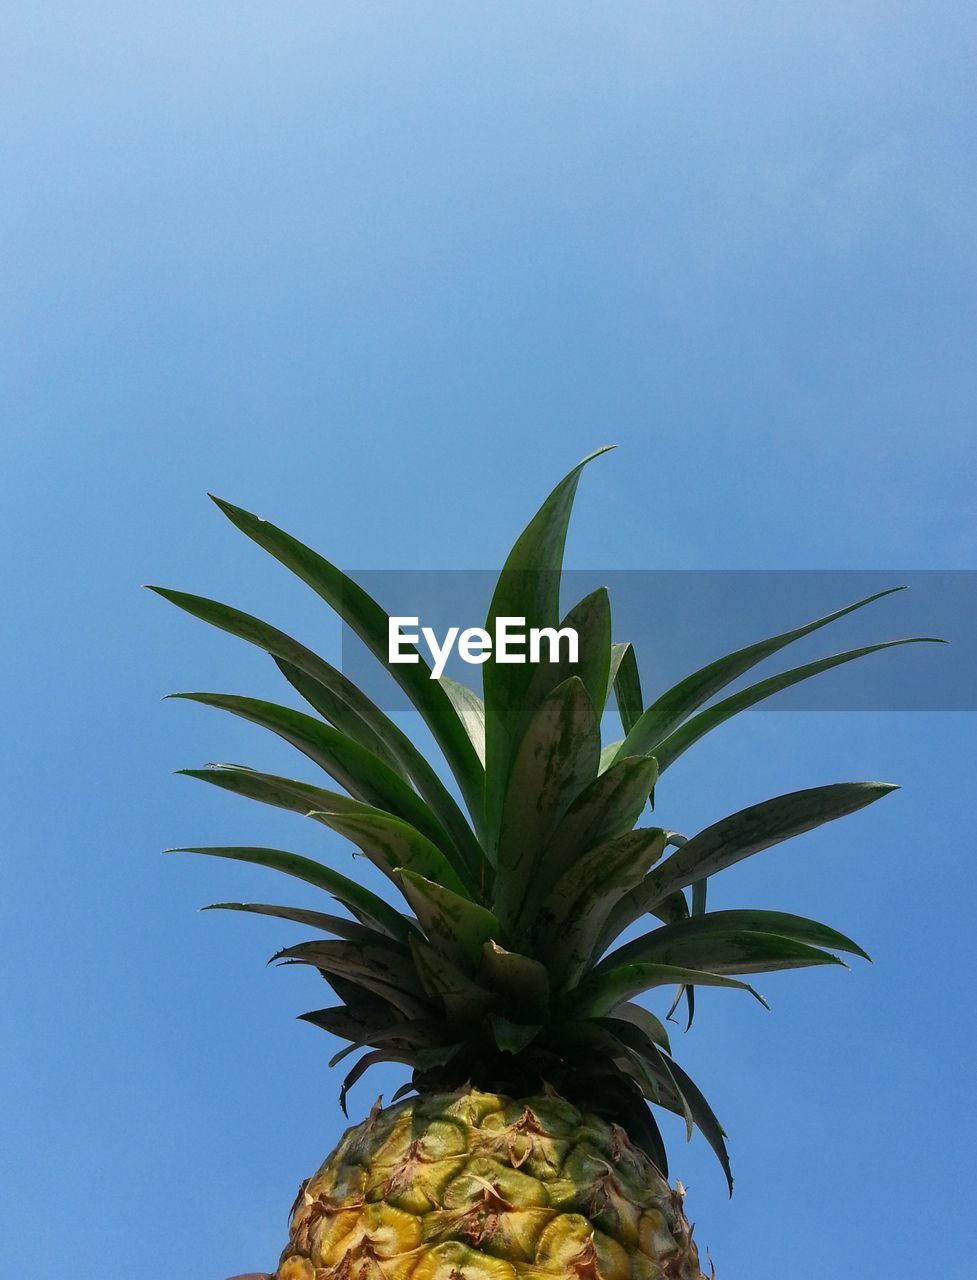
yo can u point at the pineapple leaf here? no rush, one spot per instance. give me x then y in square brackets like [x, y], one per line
[645, 1022]
[365, 777]
[528, 588]
[417, 1034]
[281, 646]
[555, 761]
[673, 707]
[608, 755]
[352, 895]
[369, 621]
[362, 1067]
[670, 748]
[464, 1000]
[575, 911]
[327, 702]
[392, 844]
[590, 618]
[348, 929]
[740, 836]
[348, 1022]
[719, 950]
[452, 923]
[602, 993]
[704, 1117]
[677, 943]
[384, 970]
[630, 1035]
[608, 808]
[470, 710]
[522, 981]
[626, 683]
[513, 1037]
[269, 788]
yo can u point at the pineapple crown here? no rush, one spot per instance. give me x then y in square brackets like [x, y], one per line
[503, 965]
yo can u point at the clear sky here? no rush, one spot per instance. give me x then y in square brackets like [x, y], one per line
[384, 272]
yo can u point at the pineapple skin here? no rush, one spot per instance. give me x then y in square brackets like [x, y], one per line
[480, 1186]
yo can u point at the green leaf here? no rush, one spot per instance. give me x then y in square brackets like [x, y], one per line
[718, 950]
[465, 1001]
[470, 710]
[608, 808]
[365, 777]
[676, 943]
[454, 924]
[332, 708]
[342, 928]
[556, 759]
[704, 1117]
[405, 1036]
[269, 788]
[370, 622]
[529, 588]
[740, 836]
[392, 845]
[281, 646]
[522, 981]
[350, 1022]
[352, 895]
[590, 618]
[608, 755]
[360, 1069]
[626, 683]
[513, 1037]
[641, 1021]
[575, 911]
[437, 1056]
[387, 971]
[699, 893]
[665, 714]
[669, 749]
[602, 993]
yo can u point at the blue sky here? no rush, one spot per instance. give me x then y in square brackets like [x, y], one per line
[384, 272]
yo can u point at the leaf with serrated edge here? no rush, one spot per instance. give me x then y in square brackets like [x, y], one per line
[669, 749]
[370, 622]
[602, 993]
[365, 1063]
[513, 1037]
[391, 845]
[470, 710]
[333, 708]
[465, 1001]
[590, 618]
[679, 702]
[687, 934]
[452, 923]
[721, 950]
[348, 892]
[348, 929]
[608, 808]
[626, 683]
[741, 835]
[281, 646]
[521, 980]
[365, 777]
[528, 588]
[555, 761]
[575, 911]
[704, 1117]
[387, 972]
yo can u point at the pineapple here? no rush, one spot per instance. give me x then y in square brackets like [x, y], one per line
[525, 1144]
